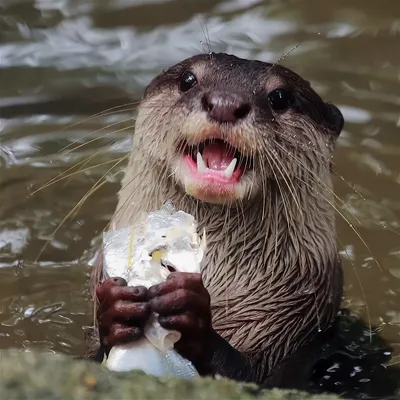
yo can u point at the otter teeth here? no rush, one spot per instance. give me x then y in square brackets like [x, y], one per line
[231, 167]
[201, 166]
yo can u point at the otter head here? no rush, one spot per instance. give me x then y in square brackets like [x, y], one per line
[223, 127]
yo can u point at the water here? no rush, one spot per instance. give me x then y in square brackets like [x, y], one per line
[64, 60]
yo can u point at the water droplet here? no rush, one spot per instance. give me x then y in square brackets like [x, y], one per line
[28, 312]
[334, 367]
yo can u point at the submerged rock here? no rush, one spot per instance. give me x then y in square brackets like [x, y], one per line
[26, 375]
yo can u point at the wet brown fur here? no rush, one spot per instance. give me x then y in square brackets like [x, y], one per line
[271, 267]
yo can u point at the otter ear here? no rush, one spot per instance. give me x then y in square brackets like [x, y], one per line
[335, 118]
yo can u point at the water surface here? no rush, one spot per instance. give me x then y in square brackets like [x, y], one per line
[64, 60]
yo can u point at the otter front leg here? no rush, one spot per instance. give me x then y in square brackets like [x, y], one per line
[183, 304]
[122, 312]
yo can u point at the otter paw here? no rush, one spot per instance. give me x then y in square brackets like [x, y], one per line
[122, 312]
[183, 304]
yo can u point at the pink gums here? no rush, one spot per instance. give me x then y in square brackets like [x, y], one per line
[217, 158]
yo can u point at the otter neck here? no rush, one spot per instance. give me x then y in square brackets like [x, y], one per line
[270, 266]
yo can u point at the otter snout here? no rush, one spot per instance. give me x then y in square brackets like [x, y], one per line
[223, 106]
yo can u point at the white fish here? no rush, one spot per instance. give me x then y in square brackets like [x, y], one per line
[141, 255]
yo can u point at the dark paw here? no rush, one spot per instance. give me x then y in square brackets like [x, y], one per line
[122, 312]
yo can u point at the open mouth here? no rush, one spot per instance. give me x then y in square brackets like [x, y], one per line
[216, 161]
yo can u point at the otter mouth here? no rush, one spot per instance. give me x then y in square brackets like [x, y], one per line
[215, 160]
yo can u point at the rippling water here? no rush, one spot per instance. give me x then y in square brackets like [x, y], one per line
[64, 60]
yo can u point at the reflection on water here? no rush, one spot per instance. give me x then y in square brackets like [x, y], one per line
[62, 61]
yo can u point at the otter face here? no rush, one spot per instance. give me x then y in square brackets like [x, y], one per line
[224, 127]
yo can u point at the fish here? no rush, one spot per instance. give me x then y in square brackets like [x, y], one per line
[161, 242]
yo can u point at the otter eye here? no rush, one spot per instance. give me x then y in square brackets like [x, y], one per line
[280, 99]
[188, 80]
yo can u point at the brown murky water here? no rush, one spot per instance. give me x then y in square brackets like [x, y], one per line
[93, 55]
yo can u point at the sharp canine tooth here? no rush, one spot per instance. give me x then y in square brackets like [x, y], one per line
[231, 167]
[201, 166]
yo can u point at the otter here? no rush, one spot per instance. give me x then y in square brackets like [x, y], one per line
[245, 146]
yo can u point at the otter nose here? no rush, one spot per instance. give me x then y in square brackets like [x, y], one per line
[225, 107]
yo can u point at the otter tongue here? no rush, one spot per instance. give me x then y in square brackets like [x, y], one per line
[217, 156]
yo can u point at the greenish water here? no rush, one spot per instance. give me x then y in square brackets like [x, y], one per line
[62, 61]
